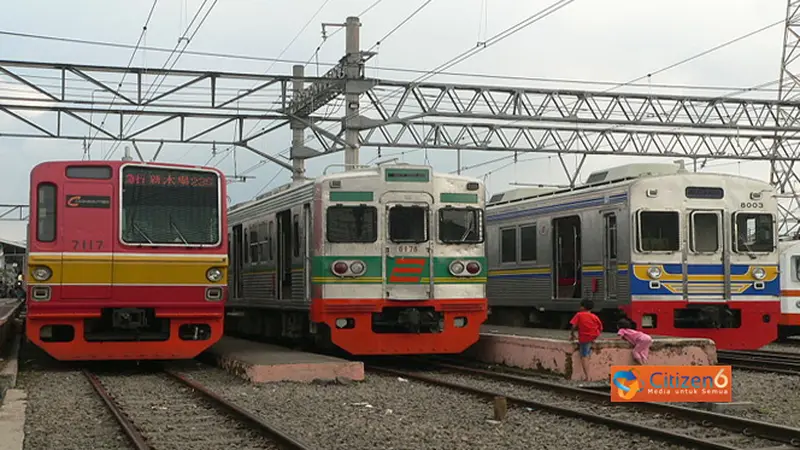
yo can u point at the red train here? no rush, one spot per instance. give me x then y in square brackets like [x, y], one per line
[126, 261]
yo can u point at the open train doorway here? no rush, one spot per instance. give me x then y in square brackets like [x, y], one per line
[567, 257]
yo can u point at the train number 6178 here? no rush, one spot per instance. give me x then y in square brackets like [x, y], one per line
[752, 205]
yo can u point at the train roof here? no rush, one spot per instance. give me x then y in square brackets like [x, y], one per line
[355, 173]
[605, 179]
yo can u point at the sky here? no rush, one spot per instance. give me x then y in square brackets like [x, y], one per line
[590, 40]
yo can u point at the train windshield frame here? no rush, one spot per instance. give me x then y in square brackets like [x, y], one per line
[754, 232]
[166, 206]
[658, 231]
[356, 224]
[461, 225]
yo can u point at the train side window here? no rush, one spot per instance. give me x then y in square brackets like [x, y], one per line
[705, 232]
[508, 245]
[659, 231]
[351, 224]
[796, 266]
[527, 243]
[296, 232]
[46, 212]
[246, 247]
[754, 232]
[271, 238]
[254, 244]
[263, 242]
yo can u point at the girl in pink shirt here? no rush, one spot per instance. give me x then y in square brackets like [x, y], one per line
[640, 341]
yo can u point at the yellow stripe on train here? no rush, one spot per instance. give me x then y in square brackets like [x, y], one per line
[640, 271]
[87, 268]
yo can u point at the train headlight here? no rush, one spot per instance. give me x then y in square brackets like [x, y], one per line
[213, 274]
[654, 273]
[41, 273]
[759, 273]
[797, 303]
[357, 268]
[456, 267]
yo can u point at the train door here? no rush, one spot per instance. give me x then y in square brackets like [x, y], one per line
[567, 271]
[610, 255]
[407, 255]
[283, 266]
[306, 252]
[87, 226]
[708, 244]
[237, 262]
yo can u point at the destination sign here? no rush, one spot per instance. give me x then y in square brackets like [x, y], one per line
[136, 176]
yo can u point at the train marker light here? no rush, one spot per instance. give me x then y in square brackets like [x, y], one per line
[473, 267]
[339, 268]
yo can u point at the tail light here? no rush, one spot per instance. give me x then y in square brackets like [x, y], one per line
[354, 268]
[465, 268]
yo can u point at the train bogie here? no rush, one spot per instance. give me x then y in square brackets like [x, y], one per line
[389, 260]
[681, 254]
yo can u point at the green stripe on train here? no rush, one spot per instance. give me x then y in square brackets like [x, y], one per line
[399, 270]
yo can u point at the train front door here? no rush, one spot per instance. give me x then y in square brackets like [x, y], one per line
[88, 232]
[709, 245]
[407, 257]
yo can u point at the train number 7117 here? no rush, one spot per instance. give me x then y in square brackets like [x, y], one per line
[87, 244]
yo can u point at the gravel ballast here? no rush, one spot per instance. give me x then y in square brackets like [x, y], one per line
[63, 411]
[171, 416]
[629, 414]
[386, 412]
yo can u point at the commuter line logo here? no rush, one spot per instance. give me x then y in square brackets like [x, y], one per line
[684, 384]
[407, 270]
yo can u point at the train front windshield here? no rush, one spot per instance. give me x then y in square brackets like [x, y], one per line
[461, 225]
[170, 206]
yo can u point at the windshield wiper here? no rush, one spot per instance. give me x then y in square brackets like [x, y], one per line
[180, 235]
[139, 230]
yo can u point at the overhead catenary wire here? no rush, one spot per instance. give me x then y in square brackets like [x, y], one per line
[186, 41]
[497, 38]
[130, 61]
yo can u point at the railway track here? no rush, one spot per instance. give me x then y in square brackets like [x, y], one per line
[695, 428]
[166, 410]
[761, 360]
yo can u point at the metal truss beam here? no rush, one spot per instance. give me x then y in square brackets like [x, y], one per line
[205, 107]
[106, 103]
[784, 174]
[14, 212]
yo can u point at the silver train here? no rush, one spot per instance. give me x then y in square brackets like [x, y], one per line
[679, 253]
[380, 260]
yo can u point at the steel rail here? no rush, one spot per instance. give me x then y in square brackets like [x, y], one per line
[280, 438]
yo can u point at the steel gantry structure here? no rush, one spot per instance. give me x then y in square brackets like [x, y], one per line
[215, 107]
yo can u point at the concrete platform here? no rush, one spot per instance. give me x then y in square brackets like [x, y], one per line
[265, 363]
[551, 351]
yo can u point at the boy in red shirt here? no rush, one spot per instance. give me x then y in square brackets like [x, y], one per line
[589, 327]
